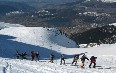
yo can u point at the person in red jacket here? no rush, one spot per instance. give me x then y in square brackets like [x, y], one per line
[93, 60]
[32, 55]
[25, 55]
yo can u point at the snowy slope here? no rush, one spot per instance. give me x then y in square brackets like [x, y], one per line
[47, 41]
[106, 63]
[39, 36]
[6, 25]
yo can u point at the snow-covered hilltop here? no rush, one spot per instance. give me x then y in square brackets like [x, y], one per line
[39, 36]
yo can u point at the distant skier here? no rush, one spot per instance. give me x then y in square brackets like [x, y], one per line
[62, 58]
[51, 58]
[32, 55]
[93, 60]
[83, 60]
[24, 55]
[76, 57]
[17, 55]
[37, 56]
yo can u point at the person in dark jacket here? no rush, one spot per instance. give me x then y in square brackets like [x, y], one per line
[22, 55]
[37, 56]
[93, 60]
[83, 58]
[17, 55]
[76, 57]
[51, 58]
[62, 58]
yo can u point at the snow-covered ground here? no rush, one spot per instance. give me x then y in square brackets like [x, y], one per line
[105, 63]
[47, 41]
[108, 63]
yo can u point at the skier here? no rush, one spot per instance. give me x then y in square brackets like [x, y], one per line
[83, 60]
[62, 58]
[51, 58]
[24, 55]
[93, 60]
[37, 55]
[76, 57]
[32, 55]
[17, 55]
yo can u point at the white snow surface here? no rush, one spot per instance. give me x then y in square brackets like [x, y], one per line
[46, 41]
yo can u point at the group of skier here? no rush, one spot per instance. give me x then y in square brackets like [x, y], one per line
[23, 55]
[76, 58]
[83, 58]
[35, 56]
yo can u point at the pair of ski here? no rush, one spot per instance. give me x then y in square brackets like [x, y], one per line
[102, 67]
[97, 67]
